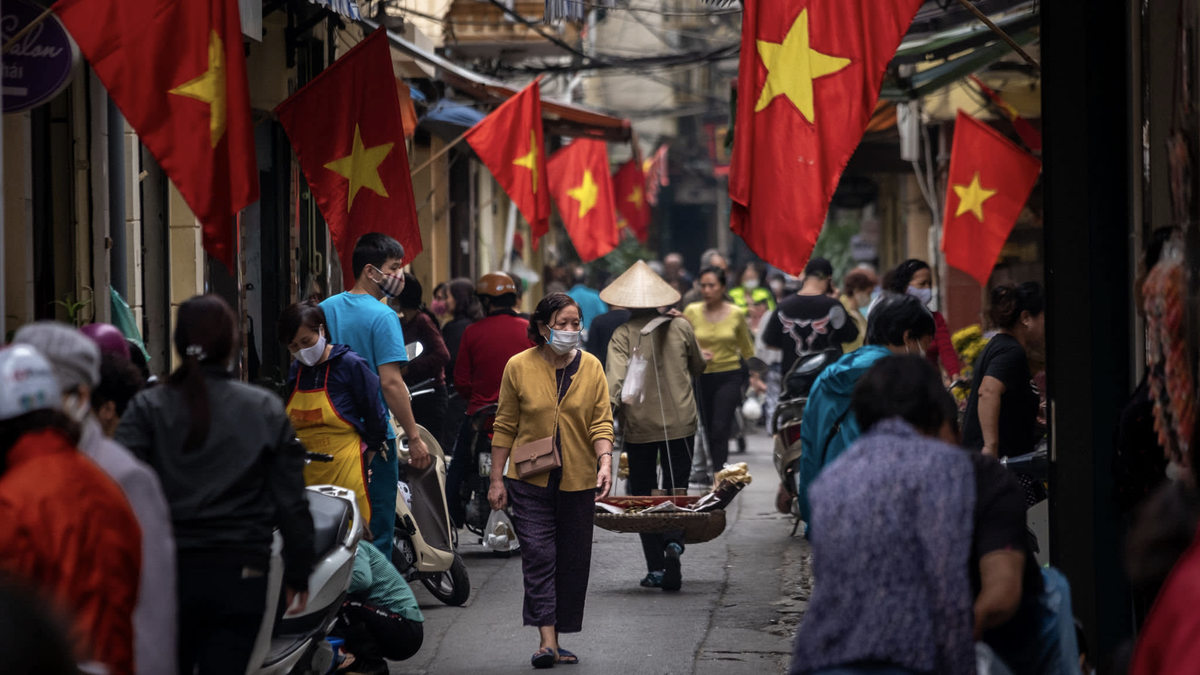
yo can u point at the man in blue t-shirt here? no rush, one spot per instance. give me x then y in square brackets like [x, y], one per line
[588, 299]
[360, 321]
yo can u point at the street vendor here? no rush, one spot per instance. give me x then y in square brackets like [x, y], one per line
[334, 403]
[661, 428]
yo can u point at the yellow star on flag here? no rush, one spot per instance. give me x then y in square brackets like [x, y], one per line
[361, 167]
[636, 197]
[792, 66]
[529, 159]
[210, 88]
[971, 198]
[586, 194]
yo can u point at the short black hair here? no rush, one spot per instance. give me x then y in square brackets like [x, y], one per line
[505, 301]
[308, 314]
[411, 295]
[374, 249]
[820, 268]
[905, 387]
[120, 381]
[1009, 301]
[897, 280]
[716, 271]
[546, 309]
[896, 314]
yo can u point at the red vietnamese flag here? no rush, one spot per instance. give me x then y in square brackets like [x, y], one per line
[808, 79]
[1029, 135]
[509, 141]
[629, 189]
[349, 139]
[989, 182]
[178, 73]
[583, 189]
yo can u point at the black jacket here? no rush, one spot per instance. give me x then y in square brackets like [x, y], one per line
[247, 479]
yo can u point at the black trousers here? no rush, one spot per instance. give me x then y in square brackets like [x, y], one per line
[462, 467]
[644, 459]
[220, 611]
[720, 395]
[372, 634]
[429, 410]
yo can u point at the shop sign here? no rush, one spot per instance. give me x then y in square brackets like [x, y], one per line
[862, 250]
[41, 63]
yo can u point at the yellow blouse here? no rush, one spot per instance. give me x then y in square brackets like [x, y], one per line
[526, 414]
[729, 339]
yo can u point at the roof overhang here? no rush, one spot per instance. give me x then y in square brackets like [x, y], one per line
[563, 119]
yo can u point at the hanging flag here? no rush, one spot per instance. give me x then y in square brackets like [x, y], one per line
[178, 73]
[808, 79]
[350, 143]
[989, 182]
[629, 189]
[655, 170]
[1030, 136]
[509, 141]
[583, 189]
[408, 112]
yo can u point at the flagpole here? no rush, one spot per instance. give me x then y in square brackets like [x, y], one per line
[1000, 32]
[510, 233]
[439, 153]
[26, 30]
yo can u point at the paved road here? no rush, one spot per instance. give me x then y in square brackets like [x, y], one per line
[743, 594]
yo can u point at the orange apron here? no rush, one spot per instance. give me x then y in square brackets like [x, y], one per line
[321, 429]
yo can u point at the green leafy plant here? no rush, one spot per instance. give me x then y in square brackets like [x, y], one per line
[74, 309]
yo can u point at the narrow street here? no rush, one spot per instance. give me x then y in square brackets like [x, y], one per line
[743, 594]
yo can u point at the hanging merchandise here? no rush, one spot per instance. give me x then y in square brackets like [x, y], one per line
[1171, 381]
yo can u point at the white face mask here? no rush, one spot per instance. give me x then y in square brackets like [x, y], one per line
[310, 355]
[563, 341]
[925, 295]
[750, 284]
[77, 408]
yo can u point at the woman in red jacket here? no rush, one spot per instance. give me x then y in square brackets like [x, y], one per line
[915, 278]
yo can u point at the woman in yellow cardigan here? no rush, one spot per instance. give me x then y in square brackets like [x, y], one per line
[554, 389]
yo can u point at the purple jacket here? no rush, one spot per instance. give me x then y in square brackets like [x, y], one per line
[893, 519]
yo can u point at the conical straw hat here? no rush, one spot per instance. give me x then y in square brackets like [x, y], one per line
[639, 288]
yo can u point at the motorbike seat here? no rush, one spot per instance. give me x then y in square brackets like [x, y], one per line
[331, 521]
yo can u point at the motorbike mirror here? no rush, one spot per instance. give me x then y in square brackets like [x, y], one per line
[414, 349]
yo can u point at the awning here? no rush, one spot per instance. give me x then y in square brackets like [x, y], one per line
[562, 119]
[347, 8]
[449, 119]
[931, 79]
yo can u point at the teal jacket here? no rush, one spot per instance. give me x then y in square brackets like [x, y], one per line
[828, 401]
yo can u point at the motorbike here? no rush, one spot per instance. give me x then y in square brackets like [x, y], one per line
[474, 491]
[789, 414]
[423, 538]
[296, 643]
[1033, 470]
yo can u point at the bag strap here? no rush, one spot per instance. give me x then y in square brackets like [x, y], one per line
[837, 426]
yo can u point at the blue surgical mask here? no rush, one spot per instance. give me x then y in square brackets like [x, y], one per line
[925, 295]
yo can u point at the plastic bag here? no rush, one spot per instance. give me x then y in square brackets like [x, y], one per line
[987, 663]
[633, 391]
[405, 492]
[752, 409]
[500, 535]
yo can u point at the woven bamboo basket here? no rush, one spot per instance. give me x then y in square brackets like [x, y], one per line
[697, 527]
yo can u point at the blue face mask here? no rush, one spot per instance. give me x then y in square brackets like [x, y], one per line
[925, 295]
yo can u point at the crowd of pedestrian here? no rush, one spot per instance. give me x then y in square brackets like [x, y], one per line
[145, 512]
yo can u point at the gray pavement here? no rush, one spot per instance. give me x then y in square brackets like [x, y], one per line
[743, 594]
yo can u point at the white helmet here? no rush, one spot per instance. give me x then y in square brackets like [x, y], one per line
[26, 383]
